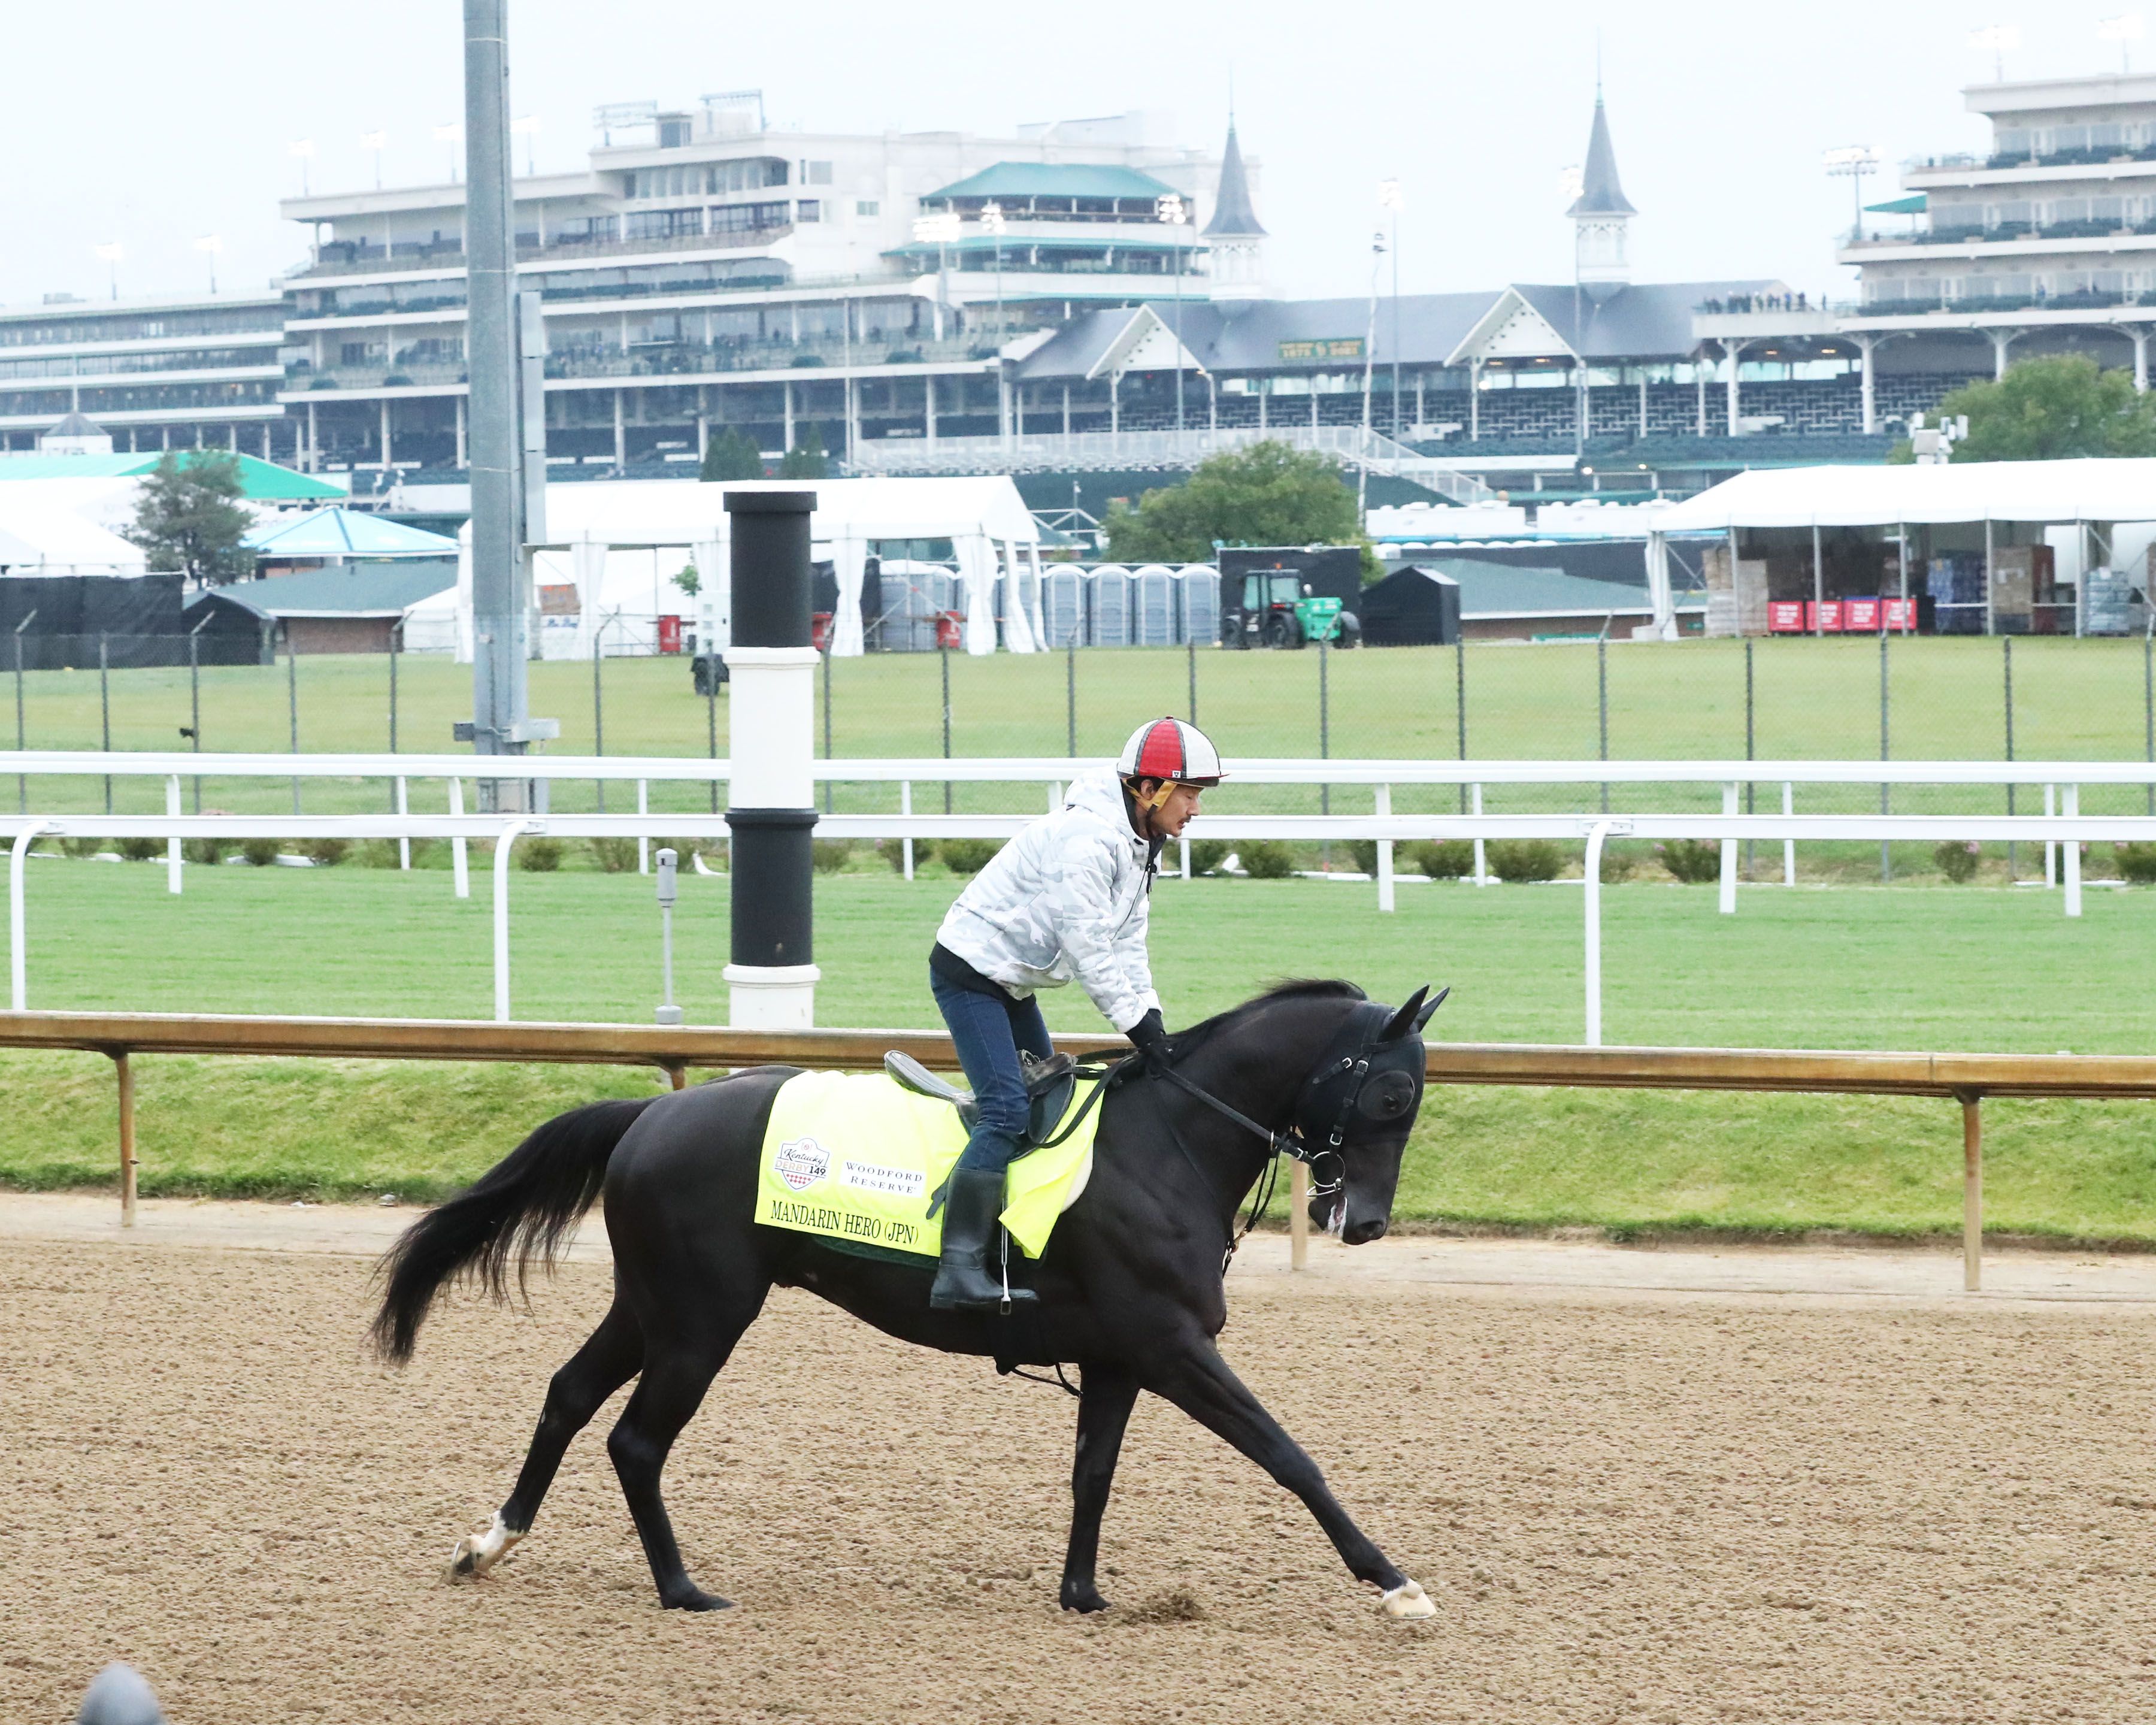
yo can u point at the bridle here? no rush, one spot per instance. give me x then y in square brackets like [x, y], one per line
[1337, 1088]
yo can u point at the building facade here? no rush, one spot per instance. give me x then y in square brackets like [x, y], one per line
[153, 374]
[706, 271]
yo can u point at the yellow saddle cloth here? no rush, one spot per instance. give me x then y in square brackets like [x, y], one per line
[856, 1158]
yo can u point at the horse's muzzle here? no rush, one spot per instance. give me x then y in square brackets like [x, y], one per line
[1363, 1232]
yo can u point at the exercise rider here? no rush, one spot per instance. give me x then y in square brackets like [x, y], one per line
[1066, 898]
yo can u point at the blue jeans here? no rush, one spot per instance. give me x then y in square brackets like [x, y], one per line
[990, 1031]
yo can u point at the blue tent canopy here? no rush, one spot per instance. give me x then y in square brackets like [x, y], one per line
[341, 532]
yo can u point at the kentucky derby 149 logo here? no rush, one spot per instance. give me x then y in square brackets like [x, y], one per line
[800, 1162]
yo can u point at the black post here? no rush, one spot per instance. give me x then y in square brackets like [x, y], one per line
[292, 704]
[771, 813]
[1070, 698]
[1460, 701]
[2006, 642]
[105, 707]
[943, 654]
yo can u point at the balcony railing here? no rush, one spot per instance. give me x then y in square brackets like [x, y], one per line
[365, 260]
[2089, 300]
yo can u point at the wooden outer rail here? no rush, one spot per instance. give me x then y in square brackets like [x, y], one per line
[1967, 1078]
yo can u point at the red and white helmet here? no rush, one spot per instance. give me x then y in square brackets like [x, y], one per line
[1170, 751]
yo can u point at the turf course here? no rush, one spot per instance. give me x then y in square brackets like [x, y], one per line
[1913, 966]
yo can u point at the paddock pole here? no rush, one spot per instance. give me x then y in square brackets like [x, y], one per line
[2070, 801]
[1728, 900]
[677, 1075]
[1972, 1190]
[1384, 807]
[1298, 1215]
[19, 956]
[126, 1075]
[509, 834]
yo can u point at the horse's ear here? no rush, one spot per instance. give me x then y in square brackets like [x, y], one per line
[1405, 1020]
[1435, 1001]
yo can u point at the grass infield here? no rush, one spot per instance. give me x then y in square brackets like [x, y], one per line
[1918, 967]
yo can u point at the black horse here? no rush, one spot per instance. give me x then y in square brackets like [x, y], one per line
[1130, 1286]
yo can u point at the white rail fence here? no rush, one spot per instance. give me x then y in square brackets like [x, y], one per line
[2062, 832]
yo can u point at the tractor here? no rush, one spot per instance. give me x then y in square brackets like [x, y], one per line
[1278, 610]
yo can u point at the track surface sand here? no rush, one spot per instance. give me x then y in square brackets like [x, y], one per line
[1631, 1504]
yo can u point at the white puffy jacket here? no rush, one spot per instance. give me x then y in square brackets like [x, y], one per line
[1066, 898]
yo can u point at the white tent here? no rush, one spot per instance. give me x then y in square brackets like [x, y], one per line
[620, 547]
[40, 536]
[2032, 492]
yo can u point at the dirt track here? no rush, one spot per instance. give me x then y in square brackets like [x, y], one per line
[1658, 1507]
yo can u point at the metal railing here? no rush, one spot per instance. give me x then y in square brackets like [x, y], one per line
[1087, 450]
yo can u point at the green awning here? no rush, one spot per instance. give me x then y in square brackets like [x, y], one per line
[1020, 180]
[263, 480]
[1913, 205]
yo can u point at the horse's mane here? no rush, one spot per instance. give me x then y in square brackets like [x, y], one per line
[1292, 988]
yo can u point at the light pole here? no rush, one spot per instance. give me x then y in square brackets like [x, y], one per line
[375, 142]
[1852, 164]
[1369, 356]
[111, 254]
[212, 244]
[1169, 207]
[1388, 197]
[302, 150]
[939, 229]
[527, 128]
[452, 134]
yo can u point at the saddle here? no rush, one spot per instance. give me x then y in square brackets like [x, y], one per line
[1049, 1085]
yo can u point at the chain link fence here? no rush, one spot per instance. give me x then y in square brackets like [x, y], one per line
[1850, 699]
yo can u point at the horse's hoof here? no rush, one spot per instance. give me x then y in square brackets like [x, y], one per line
[479, 1550]
[1085, 1601]
[1407, 1602]
[696, 1600]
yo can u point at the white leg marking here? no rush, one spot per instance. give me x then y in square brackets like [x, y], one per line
[479, 1550]
[1408, 1600]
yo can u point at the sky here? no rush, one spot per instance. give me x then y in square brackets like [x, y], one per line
[150, 126]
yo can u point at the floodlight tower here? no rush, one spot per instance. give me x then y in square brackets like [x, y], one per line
[1852, 163]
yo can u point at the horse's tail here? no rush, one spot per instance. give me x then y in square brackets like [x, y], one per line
[519, 1209]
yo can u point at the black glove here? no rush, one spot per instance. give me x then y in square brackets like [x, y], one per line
[1149, 1036]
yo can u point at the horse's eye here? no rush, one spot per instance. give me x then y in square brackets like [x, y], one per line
[1387, 1096]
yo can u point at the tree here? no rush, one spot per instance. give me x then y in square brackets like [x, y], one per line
[2052, 407]
[189, 516]
[1267, 494]
[733, 456]
[806, 458]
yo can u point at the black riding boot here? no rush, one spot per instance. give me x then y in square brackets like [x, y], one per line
[965, 1280]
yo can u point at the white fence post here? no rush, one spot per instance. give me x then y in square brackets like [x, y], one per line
[1595, 834]
[643, 843]
[18, 965]
[1384, 807]
[2050, 849]
[2073, 849]
[509, 834]
[1482, 871]
[906, 809]
[403, 807]
[1789, 845]
[173, 844]
[458, 861]
[1729, 855]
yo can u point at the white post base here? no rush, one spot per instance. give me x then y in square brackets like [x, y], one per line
[772, 998]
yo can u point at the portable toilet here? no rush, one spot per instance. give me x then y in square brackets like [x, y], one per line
[1063, 606]
[1200, 591]
[1153, 592]
[1111, 607]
